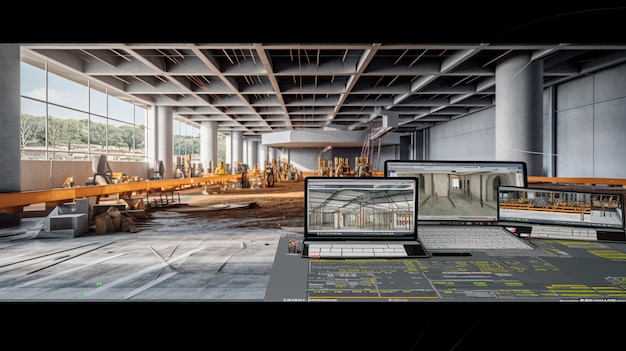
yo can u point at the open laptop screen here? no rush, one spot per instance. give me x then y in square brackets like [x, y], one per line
[355, 208]
[459, 191]
[561, 207]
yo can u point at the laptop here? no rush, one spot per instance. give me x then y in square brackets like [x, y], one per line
[573, 214]
[458, 202]
[361, 217]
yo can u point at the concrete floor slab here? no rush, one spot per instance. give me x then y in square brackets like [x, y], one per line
[171, 259]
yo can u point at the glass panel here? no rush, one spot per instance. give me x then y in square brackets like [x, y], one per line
[186, 139]
[177, 131]
[98, 102]
[221, 148]
[68, 93]
[33, 127]
[139, 151]
[67, 132]
[195, 143]
[121, 139]
[80, 156]
[120, 110]
[140, 115]
[188, 146]
[97, 135]
[32, 154]
[32, 81]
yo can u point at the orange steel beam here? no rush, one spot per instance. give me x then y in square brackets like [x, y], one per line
[572, 180]
[11, 202]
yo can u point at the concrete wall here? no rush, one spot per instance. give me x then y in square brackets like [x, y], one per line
[468, 138]
[548, 129]
[40, 175]
[591, 125]
[588, 136]
[574, 128]
[305, 159]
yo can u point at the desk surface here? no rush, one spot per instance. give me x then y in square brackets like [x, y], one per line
[557, 270]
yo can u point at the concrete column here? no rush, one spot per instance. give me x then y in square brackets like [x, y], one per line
[245, 158]
[229, 149]
[549, 132]
[208, 145]
[164, 132]
[519, 111]
[262, 155]
[10, 157]
[237, 147]
[271, 154]
[151, 139]
[252, 154]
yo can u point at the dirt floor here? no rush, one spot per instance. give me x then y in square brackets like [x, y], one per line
[281, 205]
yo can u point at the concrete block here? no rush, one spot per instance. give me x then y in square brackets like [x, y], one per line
[79, 206]
[65, 225]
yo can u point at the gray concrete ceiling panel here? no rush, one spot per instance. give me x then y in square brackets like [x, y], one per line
[278, 87]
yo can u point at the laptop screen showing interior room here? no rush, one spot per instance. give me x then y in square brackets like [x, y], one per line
[374, 211]
[458, 191]
[461, 193]
[563, 214]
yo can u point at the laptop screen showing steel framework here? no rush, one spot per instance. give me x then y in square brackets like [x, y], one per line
[363, 208]
[561, 207]
[454, 192]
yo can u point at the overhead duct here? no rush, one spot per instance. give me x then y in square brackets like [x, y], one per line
[389, 123]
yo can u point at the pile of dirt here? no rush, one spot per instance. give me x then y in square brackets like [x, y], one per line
[271, 207]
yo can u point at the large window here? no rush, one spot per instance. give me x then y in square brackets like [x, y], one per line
[33, 138]
[67, 132]
[67, 119]
[186, 139]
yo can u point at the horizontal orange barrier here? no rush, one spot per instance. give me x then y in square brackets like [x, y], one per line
[572, 180]
[9, 201]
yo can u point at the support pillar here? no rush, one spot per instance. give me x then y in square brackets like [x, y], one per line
[237, 147]
[252, 153]
[208, 145]
[519, 111]
[164, 138]
[10, 120]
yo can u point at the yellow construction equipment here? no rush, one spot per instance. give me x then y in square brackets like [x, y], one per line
[220, 169]
[69, 182]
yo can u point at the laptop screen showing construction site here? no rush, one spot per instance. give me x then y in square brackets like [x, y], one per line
[361, 210]
[563, 214]
[458, 191]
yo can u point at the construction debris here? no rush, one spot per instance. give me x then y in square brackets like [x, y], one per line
[218, 207]
[114, 220]
[134, 204]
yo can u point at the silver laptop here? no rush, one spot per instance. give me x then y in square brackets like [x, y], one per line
[361, 217]
[583, 214]
[458, 203]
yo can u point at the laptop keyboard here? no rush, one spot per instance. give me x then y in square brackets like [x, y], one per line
[329, 250]
[469, 238]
